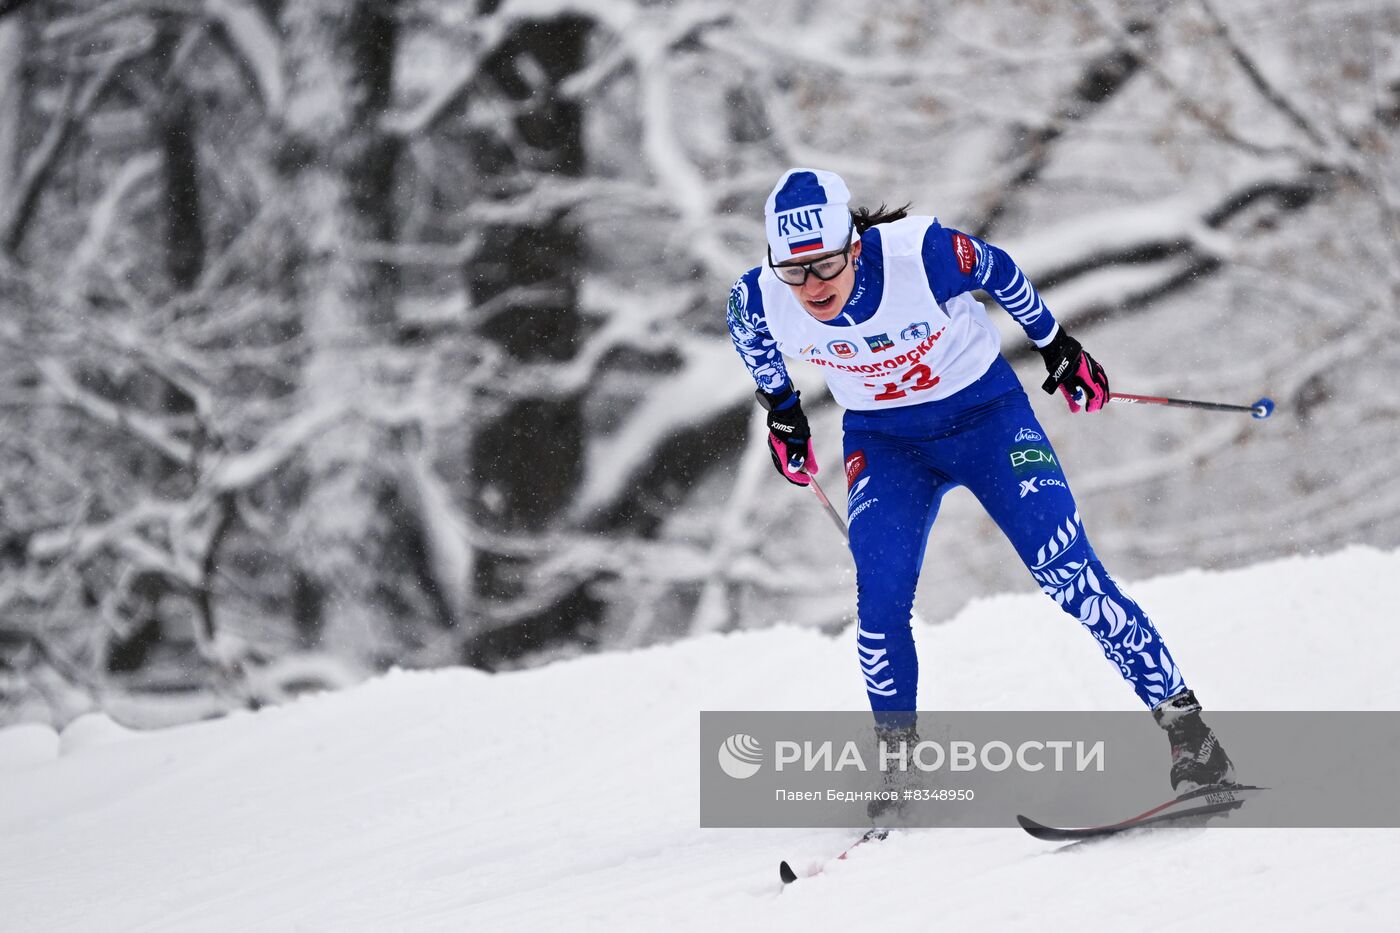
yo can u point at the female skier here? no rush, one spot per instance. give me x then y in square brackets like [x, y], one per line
[882, 302]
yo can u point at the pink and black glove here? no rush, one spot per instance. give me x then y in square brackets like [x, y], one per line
[1075, 373]
[789, 437]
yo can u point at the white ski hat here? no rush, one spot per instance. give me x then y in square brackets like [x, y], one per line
[808, 213]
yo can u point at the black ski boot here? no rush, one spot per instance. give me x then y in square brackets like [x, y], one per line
[894, 780]
[1198, 759]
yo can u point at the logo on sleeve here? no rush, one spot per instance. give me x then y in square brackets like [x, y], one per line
[965, 253]
[986, 261]
[855, 465]
[880, 342]
[842, 348]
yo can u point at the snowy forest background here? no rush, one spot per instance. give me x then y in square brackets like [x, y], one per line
[337, 335]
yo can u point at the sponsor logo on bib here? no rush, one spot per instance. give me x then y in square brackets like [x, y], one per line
[879, 343]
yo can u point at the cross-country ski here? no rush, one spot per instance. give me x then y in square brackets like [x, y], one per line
[788, 876]
[1192, 805]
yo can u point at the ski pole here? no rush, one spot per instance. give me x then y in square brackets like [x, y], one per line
[1260, 409]
[830, 509]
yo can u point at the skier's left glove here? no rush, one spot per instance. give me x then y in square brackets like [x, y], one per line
[789, 437]
[1074, 372]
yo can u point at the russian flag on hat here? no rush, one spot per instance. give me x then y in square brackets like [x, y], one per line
[807, 212]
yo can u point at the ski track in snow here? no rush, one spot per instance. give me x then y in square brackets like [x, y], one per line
[566, 797]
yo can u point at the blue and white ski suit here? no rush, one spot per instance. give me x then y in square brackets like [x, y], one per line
[931, 404]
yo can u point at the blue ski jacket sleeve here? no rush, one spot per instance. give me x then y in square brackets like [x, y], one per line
[957, 262]
[748, 328]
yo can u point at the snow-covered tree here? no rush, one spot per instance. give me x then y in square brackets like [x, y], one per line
[336, 335]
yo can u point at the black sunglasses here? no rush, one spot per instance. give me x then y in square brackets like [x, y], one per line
[825, 269]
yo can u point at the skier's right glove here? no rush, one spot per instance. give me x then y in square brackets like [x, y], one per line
[789, 437]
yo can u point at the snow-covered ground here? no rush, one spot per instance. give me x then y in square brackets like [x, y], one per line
[565, 797]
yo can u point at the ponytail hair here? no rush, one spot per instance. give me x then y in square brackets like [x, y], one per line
[864, 218]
